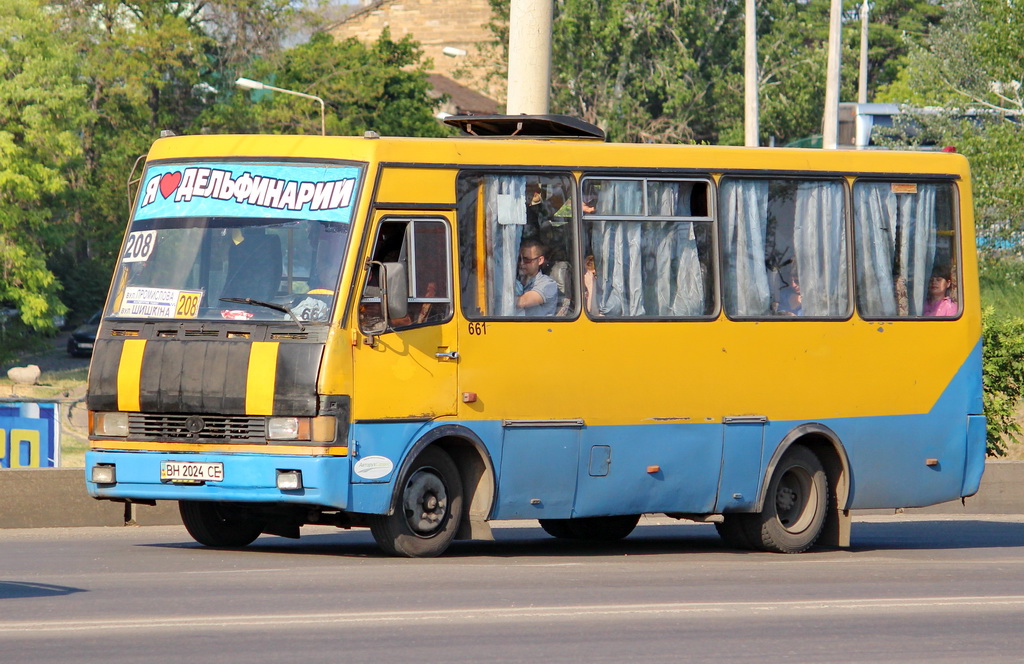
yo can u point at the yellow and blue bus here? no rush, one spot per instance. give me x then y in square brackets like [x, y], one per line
[420, 336]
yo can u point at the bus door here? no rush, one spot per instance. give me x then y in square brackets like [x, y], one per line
[408, 367]
[742, 444]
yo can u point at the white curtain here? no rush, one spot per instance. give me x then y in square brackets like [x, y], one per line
[917, 247]
[618, 250]
[744, 224]
[819, 238]
[505, 217]
[646, 268]
[874, 214]
[678, 278]
[895, 242]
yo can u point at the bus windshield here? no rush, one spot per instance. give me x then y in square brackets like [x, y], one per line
[223, 268]
[247, 240]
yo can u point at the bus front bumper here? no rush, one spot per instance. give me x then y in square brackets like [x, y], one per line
[251, 478]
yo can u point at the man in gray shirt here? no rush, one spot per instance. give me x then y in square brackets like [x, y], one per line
[536, 292]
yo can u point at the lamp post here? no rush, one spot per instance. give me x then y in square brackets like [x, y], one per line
[250, 84]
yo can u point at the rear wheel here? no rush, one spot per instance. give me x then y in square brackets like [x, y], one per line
[794, 507]
[219, 525]
[429, 509]
[592, 528]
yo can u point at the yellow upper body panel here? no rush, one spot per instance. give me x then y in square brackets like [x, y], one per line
[571, 154]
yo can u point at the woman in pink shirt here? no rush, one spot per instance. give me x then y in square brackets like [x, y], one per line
[939, 303]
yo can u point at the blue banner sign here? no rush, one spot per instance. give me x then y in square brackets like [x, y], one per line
[29, 435]
[266, 190]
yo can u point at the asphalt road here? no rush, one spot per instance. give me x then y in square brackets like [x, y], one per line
[922, 589]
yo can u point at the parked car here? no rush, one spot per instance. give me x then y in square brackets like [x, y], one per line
[81, 341]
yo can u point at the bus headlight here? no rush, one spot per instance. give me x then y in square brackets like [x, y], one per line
[110, 424]
[322, 429]
[288, 428]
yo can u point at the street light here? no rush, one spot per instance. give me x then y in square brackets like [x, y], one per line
[250, 84]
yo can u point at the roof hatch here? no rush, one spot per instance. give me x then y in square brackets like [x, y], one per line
[525, 126]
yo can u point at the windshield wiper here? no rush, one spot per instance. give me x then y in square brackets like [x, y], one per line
[268, 305]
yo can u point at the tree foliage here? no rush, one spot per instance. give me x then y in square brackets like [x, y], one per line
[381, 87]
[1003, 372]
[39, 104]
[650, 70]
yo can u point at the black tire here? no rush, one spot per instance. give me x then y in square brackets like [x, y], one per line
[794, 506]
[427, 515]
[733, 531]
[592, 528]
[218, 525]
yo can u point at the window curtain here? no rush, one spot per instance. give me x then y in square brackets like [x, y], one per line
[819, 238]
[673, 258]
[917, 247]
[895, 243]
[875, 225]
[618, 251]
[505, 218]
[744, 225]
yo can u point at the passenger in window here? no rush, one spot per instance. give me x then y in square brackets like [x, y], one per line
[589, 281]
[939, 302]
[792, 298]
[536, 292]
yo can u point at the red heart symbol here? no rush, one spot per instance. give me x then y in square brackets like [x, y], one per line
[169, 182]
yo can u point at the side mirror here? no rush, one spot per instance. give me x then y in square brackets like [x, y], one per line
[391, 291]
[395, 295]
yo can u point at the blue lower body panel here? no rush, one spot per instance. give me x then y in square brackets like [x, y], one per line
[248, 478]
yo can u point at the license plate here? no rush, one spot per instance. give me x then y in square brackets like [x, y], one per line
[192, 472]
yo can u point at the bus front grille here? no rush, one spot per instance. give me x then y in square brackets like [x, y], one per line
[197, 428]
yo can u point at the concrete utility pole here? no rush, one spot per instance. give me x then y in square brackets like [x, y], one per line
[751, 109]
[862, 86]
[830, 122]
[529, 56]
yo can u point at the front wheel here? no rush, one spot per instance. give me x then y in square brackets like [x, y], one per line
[427, 515]
[794, 507]
[218, 525]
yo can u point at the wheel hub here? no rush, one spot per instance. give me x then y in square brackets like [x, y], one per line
[425, 502]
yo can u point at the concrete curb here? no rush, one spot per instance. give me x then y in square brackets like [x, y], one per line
[56, 498]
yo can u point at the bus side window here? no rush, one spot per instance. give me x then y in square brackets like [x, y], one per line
[649, 248]
[517, 237]
[784, 248]
[422, 247]
[906, 248]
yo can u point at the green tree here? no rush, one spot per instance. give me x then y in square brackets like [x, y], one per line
[39, 112]
[648, 70]
[1003, 371]
[381, 87]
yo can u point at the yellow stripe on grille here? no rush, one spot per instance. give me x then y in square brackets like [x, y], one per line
[129, 375]
[262, 376]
